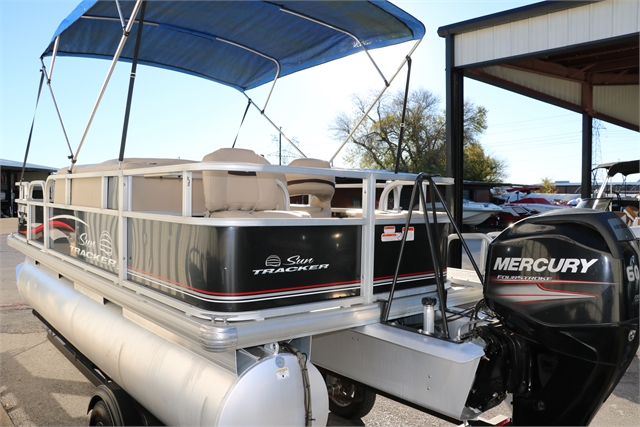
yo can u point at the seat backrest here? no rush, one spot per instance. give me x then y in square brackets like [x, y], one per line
[239, 190]
[321, 187]
[631, 213]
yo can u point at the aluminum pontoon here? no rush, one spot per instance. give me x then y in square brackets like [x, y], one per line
[191, 291]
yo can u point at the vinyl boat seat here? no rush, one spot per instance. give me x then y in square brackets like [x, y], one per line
[320, 188]
[243, 194]
[631, 215]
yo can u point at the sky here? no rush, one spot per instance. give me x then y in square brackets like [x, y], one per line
[179, 116]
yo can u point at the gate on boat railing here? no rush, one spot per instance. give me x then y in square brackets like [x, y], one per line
[147, 229]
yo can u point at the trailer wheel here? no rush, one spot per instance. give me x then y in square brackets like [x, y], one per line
[349, 400]
[112, 406]
[100, 415]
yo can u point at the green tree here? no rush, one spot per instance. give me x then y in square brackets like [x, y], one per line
[480, 167]
[375, 143]
[548, 186]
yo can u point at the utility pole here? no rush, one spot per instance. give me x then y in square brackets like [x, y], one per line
[280, 147]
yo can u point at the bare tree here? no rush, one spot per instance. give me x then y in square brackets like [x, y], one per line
[375, 144]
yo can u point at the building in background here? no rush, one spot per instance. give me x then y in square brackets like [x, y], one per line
[10, 172]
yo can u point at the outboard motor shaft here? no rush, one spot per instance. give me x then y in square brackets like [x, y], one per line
[565, 287]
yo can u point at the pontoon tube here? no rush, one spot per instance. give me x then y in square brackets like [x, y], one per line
[176, 385]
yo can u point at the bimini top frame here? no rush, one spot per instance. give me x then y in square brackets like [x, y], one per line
[239, 44]
[613, 168]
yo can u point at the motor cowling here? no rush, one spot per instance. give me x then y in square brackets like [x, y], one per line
[565, 287]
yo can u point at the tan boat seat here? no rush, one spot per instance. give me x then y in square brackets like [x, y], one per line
[631, 213]
[242, 193]
[320, 188]
[621, 215]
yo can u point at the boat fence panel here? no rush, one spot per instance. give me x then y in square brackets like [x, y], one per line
[231, 269]
[143, 224]
[86, 236]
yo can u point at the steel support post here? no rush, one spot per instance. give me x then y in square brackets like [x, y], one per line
[454, 143]
[587, 155]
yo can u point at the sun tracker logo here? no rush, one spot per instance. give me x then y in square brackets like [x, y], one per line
[106, 245]
[92, 250]
[273, 261]
[290, 265]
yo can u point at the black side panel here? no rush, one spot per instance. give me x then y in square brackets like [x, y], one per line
[86, 236]
[416, 268]
[245, 268]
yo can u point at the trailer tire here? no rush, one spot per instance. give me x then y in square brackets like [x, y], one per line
[100, 415]
[112, 406]
[351, 401]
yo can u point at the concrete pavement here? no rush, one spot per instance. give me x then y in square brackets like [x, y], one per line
[5, 421]
[6, 226]
[38, 386]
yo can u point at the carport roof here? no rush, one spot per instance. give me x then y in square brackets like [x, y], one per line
[30, 167]
[580, 55]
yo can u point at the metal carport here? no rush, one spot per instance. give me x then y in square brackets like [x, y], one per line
[579, 55]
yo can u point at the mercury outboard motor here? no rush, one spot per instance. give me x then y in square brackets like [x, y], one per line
[565, 288]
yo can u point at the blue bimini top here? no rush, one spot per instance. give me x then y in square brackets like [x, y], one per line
[242, 44]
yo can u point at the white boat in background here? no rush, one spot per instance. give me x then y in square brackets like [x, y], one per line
[475, 213]
[511, 213]
[520, 202]
[517, 203]
[624, 200]
[538, 204]
[625, 194]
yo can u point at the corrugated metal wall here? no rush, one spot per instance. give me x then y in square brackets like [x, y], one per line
[558, 88]
[598, 21]
[582, 24]
[622, 102]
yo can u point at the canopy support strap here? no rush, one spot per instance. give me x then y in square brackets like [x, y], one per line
[116, 56]
[26, 153]
[132, 79]
[275, 126]
[241, 122]
[404, 113]
[55, 104]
